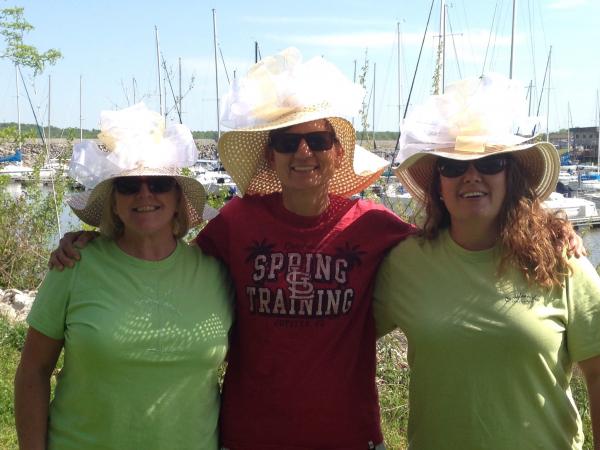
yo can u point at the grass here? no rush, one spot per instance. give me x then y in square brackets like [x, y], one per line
[392, 382]
[392, 378]
[11, 343]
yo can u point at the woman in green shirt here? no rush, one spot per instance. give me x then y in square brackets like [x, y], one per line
[143, 320]
[496, 315]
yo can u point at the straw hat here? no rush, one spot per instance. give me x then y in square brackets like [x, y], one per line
[137, 144]
[281, 91]
[473, 119]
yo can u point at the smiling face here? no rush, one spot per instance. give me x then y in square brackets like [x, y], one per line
[474, 199]
[306, 171]
[146, 213]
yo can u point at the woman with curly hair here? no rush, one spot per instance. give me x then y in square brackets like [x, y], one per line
[495, 314]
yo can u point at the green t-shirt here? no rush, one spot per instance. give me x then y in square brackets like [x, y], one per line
[142, 342]
[491, 357]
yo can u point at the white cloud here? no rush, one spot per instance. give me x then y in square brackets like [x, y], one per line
[567, 4]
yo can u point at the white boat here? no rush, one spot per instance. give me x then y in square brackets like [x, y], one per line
[395, 196]
[209, 172]
[576, 209]
[593, 196]
[585, 180]
[566, 177]
[19, 172]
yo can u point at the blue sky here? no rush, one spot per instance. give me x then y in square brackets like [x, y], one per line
[108, 43]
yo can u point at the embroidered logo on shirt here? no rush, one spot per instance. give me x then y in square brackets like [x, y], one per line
[523, 298]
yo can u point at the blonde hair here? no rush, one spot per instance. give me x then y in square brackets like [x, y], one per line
[112, 227]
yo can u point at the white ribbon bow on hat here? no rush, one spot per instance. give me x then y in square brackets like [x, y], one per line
[134, 137]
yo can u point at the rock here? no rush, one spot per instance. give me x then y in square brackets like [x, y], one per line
[15, 304]
[22, 301]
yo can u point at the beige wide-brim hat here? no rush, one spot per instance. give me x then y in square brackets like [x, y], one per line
[540, 163]
[243, 154]
[90, 205]
[283, 90]
[474, 118]
[136, 142]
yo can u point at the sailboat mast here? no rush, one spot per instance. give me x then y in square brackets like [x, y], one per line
[216, 71]
[354, 81]
[440, 72]
[160, 100]
[49, 100]
[180, 96]
[18, 107]
[374, 72]
[548, 96]
[399, 80]
[80, 108]
[530, 95]
[443, 33]
[569, 129]
[512, 39]
[598, 130]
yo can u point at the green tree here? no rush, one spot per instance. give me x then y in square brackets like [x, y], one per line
[28, 223]
[364, 109]
[29, 219]
[13, 27]
[435, 82]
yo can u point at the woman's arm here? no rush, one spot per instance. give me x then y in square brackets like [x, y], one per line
[32, 389]
[591, 370]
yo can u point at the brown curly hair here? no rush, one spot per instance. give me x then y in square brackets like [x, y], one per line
[542, 260]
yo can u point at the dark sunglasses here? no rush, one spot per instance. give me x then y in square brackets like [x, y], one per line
[317, 141]
[451, 168]
[132, 185]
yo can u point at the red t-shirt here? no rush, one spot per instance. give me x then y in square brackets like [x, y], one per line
[301, 372]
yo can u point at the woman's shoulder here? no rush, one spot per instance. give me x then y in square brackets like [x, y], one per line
[193, 258]
[100, 245]
[238, 205]
[416, 246]
[369, 207]
[380, 217]
[192, 252]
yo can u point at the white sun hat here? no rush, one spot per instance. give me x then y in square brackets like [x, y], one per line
[474, 118]
[281, 91]
[137, 143]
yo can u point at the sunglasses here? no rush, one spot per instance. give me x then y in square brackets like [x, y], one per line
[133, 185]
[451, 168]
[317, 141]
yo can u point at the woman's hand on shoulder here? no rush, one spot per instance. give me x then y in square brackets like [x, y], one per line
[67, 252]
[574, 243]
[575, 246]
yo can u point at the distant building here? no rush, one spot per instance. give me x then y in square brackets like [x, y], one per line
[584, 144]
[585, 138]
[559, 139]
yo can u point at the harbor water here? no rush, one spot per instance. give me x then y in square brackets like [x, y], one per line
[70, 222]
[591, 236]
[591, 239]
